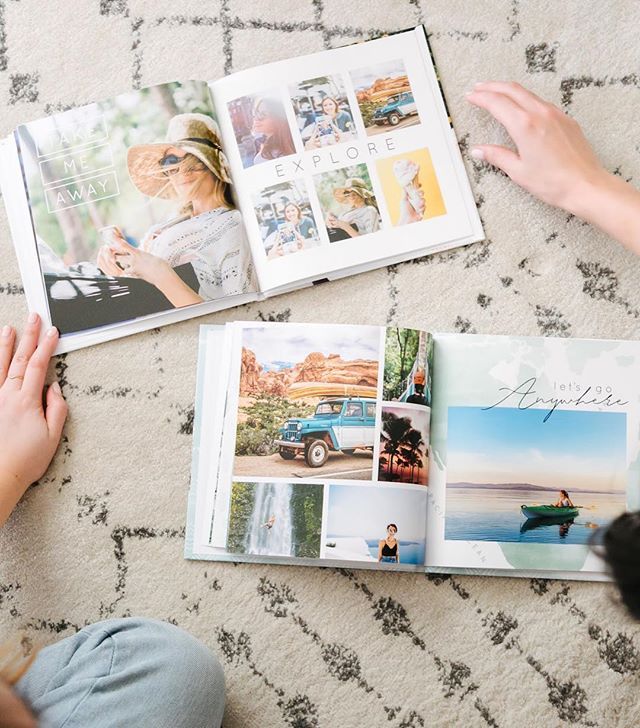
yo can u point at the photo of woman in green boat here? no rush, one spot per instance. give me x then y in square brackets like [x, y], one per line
[509, 474]
[563, 501]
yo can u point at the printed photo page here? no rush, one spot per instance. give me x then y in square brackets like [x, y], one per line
[321, 451]
[345, 159]
[535, 445]
[129, 213]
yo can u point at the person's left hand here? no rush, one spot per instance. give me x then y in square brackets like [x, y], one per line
[29, 431]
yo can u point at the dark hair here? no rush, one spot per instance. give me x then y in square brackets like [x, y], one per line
[621, 542]
[392, 524]
[564, 492]
[279, 144]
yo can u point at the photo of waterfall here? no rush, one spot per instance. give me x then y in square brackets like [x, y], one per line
[275, 519]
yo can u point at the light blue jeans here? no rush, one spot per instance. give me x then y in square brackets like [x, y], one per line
[126, 672]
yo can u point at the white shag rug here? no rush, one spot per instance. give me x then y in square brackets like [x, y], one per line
[102, 535]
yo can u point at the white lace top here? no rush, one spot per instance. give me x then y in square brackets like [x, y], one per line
[215, 244]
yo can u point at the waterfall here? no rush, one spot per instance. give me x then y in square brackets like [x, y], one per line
[271, 499]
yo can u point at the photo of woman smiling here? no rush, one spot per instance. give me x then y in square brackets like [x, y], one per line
[206, 230]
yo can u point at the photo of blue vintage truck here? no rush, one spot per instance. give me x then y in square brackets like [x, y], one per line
[341, 424]
[396, 107]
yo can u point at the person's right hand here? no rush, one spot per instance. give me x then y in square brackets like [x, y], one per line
[13, 712]
[554, 161]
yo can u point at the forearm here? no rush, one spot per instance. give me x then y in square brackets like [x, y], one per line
[350, 230]
[175, 289]
[612, 205]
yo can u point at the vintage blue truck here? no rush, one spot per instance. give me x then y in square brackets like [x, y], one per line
[341, 424]
[395, 108]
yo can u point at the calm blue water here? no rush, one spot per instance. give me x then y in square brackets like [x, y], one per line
[411, 552]
[494, 515]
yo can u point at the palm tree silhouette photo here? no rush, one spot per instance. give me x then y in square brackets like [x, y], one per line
[403, 450]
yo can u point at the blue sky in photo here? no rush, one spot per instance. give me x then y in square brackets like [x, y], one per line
[506, 444]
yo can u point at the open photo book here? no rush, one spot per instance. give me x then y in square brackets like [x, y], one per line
[189, 197]
[394, 448]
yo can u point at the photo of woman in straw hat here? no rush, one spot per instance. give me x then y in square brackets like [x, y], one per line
[206, 230]
[358, 212]
[132, 208]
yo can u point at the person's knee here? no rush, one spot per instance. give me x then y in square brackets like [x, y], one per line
[179, 669]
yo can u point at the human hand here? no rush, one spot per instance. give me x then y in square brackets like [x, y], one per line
[332, 221]
[13, 712]
[554, 161]
[408, 212]
[138, 263]
[29, 432]
[107, 261]
[314, 140]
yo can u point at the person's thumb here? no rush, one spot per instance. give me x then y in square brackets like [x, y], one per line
[56, 412]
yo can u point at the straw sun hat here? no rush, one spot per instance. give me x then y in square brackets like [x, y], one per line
[353, 184]
[197, 134]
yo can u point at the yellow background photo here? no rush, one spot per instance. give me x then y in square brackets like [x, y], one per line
[434, 204]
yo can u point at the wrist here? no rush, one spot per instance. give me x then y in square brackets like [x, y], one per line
[161, 273]
[584, 200]
[12, 482]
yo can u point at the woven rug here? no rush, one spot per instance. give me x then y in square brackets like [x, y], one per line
[102, 535]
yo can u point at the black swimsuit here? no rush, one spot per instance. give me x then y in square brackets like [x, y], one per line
[386, 551]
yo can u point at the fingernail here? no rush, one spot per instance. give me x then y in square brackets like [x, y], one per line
[56, 388]
[52, 332]
[33, 318]
[6, 331]
[477, 153]
[477, 84]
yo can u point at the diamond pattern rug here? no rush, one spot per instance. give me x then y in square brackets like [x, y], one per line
[102, 534]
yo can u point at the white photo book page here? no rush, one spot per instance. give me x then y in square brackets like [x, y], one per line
[534, 446]
[345, 159]
[313, 447]
[122, 214]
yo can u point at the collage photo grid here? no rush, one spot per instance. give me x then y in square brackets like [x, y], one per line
[342, 203]
[332, 444]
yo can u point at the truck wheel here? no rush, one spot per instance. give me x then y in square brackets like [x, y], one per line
[394, 119]
[316, 454]
[287, 454]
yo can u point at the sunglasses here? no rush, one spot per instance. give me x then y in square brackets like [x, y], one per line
[171, 164]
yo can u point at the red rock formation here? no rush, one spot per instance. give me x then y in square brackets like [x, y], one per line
[316, 367]
[382, 88]
[250, 373]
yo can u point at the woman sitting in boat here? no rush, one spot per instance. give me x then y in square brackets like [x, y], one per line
[564, 501]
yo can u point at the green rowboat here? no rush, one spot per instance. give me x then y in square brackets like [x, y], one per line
[549, 512]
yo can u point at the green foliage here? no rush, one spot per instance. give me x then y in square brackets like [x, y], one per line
[368, 109]
[264, 416]
[400, 351]
[240, 512]
[306, 509]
